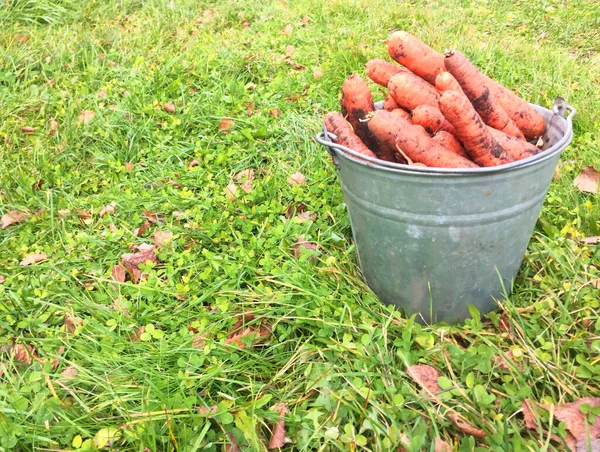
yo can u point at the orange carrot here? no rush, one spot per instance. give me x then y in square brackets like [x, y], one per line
[450, 142]
[445, 81]
[389, 103]
[471, 131]
[336, 124]
[410, 91]
[399, 112]
[357, 103]
[415, 55]
[525, 117]
[518, 149]
[432, 119]
[475, 87]
[414, 142]
[381, 71]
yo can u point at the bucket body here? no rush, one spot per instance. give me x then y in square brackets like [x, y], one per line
[434, 241]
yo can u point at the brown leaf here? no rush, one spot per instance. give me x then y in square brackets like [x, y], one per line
[260, 34]
[142, 229]
[247, 186]
[101, 94]
[53, 127]
[207, 16]
[528, 416]
[245, 24]
[278, 437]
[179, 214]
[70, 372]
[109, 208]
[64, 212]
[172, 183]
[128, 166]
[118, 273]
[318, 73]
[246, 174]
[302, 245]
[295, 66]
[504, 325]
[193, 163]
[162, 238]
[441, 446]
[425, 376]
[233, 446]
[86, 116]
[2, 279]
[207, 410]
[583, 446]
[145, 253]
[199, 341]
[297, 179]
[464, 426]
[137, 336]
[287, 30]
[571, 415]
[37, 185]
[289, 50]
[250, 108]
[259, 329]
[304, 20]
[226, 124]
[34, 258]
[24, 353]
[593, 240]
[72, 322]
[169, 107]
[587, 181]
[112, 228]
[305, 216]
[21, 39]
[27, 130]
[275, 112]
[118, 305]
[56, 360]
[230, 191]
[154, 217]
[12, 217]
[85, 218]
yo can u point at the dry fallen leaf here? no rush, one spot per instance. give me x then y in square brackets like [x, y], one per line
[425, 376]
[239, 331]
[12, 217]
[304, 20]
[464, 426]
[571, 415]
[301, 245]
[287, 30]
[305, 216]
[118, 273]
[207, 410]
[86, 116]
[230, 191]
[593, 240]
[193, 163]
[278, 437]
[109, 208]
[53, 127]
[34, 258]
[207, 16]
[21, 39]
[85, 218]
[2, 279]
[318, 73]
[64, 212]
[169, 107]
[132, 261]
[587, 181]
[289, 50]
[72, 322]
[70, 372]
[247, 186]
[441, 446]
[128, 166]
[250, 108]
[297, 179]
[199, 341]
[137, 336]
[528, 416]
[142, 229]
[172, 183]
[295, 66]
[233, 445]
[226, 124]
[118, 305]
[56, 360]
[162, 238]
[583, 446]
[23, 353]
[247, 174]
[275, 112]
[27, 130]
[154, 217]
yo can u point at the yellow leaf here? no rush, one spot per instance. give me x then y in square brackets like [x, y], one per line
[77, 442]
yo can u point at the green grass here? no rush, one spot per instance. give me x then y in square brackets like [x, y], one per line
[336, 356]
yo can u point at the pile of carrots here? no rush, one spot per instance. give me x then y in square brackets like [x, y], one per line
[439, 111]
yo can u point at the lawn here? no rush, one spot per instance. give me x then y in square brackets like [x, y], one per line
[181, 125]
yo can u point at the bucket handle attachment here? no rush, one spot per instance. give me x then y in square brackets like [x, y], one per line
[561, 106]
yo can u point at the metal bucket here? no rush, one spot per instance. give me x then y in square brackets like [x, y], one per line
[433, 241]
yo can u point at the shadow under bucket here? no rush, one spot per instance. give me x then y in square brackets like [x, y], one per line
[433, 241]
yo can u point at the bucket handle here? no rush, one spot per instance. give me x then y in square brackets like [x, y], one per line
[332, 137]
[560, 108]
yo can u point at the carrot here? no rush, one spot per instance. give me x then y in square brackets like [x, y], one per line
[410, 91]
[451, 143]
[445, 81]
[336, 124]
[471, 131]
[399, 112]
[389, 103]
[357, 103]
[432, 119]
[415, 55]
[475, 87]
[518, 149]
[414, 142]
[525, 117]
[381, 71]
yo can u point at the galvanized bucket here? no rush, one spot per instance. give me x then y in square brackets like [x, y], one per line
[433, 241]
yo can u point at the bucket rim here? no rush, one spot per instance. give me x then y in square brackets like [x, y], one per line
[560, 106]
